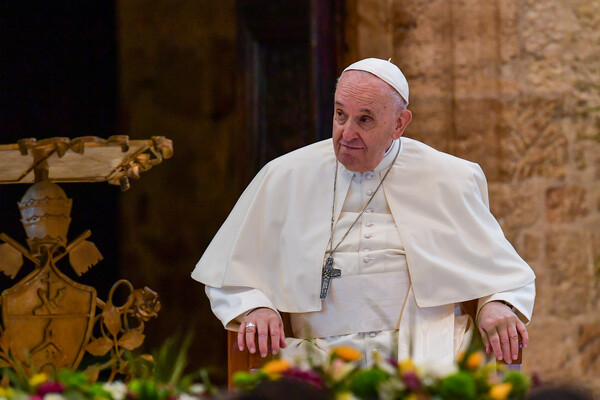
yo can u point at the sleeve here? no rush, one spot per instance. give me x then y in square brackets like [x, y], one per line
[231, 303]
[521, 299]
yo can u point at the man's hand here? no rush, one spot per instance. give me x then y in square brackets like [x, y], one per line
[267, 324]
[500, 329]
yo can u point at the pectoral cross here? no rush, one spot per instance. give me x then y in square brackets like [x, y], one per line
[328, 273]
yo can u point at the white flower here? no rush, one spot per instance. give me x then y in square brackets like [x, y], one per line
[53, 396]
[197, 388]
[185, 396]
[117, 389]
[437, 369]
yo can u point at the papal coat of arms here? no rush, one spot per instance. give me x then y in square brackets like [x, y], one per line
[48, 320]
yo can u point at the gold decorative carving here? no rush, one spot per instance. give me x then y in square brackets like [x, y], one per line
[48, 320]
[84, 159]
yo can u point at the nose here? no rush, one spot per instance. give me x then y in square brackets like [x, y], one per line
[349, 132]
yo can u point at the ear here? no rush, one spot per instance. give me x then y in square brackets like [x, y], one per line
[402, 120]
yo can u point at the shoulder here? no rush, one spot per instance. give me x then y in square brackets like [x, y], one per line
[419, 155]
[310, 157]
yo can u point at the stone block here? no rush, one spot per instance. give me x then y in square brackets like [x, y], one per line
[537, 146]
[517, 207]
[566, 273]
[565, 204]
[374, 21]
[531, 248]
[552, 350]
[589, 346]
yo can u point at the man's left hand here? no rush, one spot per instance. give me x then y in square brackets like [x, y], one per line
[500, 329]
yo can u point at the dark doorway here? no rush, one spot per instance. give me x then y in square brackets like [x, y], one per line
[289, 58]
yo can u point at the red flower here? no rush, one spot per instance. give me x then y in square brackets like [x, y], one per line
[50, 387]
[411, 380]
[309, 377]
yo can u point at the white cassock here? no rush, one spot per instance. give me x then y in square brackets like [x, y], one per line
[425, 243]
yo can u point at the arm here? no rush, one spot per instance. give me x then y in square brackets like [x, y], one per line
[238, 306]
[501, 318]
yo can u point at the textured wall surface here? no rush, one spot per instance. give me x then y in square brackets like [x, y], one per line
[515, 86]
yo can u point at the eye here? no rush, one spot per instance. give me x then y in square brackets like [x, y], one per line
[339, 114]
[366, 119]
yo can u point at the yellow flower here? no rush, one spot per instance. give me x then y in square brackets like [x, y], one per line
[347, 353]
[406, 365]
[475, 360]
[501, 391]
[37, 379]
[276, 367]
[412, 396]
[345, 396]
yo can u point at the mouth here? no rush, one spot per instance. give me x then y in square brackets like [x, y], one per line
[351, 147]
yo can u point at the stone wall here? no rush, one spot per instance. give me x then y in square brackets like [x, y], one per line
[515, 86]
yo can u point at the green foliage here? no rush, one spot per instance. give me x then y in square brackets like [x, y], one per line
[247, 380]
[364, 383]
[460, 385]
[520, 384]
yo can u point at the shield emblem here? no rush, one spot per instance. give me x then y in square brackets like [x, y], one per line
[48, 319]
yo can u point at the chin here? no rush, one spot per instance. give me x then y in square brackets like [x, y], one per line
[351, 165]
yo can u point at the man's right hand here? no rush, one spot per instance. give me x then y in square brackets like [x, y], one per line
[267, 325]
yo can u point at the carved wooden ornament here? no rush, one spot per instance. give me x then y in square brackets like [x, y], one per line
[49, 320]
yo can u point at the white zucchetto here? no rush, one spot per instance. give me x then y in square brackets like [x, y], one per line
[384, 70]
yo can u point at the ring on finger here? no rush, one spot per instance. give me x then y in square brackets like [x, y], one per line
[250, 325]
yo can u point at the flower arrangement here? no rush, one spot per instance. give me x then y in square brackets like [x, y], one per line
[77, 385]
[341, 378]
[159, 376]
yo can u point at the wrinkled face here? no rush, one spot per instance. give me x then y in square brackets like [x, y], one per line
[366, 119]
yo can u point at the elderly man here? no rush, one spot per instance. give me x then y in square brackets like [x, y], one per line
[368, 239]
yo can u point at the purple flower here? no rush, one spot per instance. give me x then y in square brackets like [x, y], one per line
[310, 377]
[131, 395]
[50, 387]
[411, 380]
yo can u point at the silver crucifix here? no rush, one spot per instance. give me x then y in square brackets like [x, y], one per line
[328, 273]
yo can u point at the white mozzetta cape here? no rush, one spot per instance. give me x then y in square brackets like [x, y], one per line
[275, 238]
